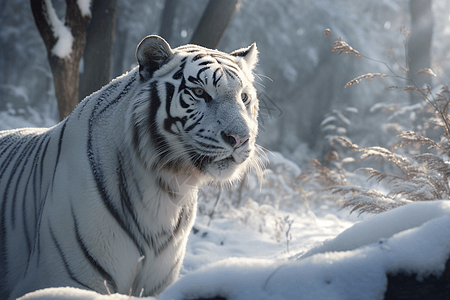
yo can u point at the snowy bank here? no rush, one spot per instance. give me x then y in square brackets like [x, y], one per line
[412, 239]
[408, 239]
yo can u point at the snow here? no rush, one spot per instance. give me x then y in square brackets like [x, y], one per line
[408, 239]
[276, 158]
[384, 225]
[85, 7]
[243, 253]
[63, 46]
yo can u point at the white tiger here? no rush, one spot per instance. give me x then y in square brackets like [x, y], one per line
[116, 180]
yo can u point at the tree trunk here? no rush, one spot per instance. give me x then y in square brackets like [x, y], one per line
[419, 43]
[168, 15]
[97, 58]
[215, 20]
[64, 69]
[119, 52]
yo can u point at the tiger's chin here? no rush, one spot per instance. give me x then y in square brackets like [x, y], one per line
[227, 169]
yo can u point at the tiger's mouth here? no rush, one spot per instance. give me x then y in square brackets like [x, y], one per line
[229, 159]
[232, 159]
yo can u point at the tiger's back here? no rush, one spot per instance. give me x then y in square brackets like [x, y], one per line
[117, 180]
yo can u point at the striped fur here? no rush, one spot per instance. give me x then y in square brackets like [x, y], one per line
[116, 180]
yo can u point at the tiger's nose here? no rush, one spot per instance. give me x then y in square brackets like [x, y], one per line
[234, 140]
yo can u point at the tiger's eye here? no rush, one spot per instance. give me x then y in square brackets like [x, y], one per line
[199, 92]
[244, 97]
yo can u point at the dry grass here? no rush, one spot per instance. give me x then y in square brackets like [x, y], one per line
[420, 177]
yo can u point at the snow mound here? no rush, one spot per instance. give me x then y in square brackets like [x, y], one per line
[384, 225]
[408, 239]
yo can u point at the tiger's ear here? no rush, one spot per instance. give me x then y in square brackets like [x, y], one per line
[152, 53]
[249, 55]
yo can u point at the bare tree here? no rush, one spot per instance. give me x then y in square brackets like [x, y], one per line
[419, 43]
[214, 22]
[65, 45]
[97, 58]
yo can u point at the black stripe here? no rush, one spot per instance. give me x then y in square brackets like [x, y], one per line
[32, 171]
[157, 138]
[40, 154]
[178, 225]
[207, 137]
[10, 156]
[66, 265]
[38, 237]
[111, 104]
[205, 63]
[201, 71]
[215, 78]
[18, 160]
[195, 124]
[60, 141]
[179, 74]
[32, 177]
[209, 146]
[170, 90]
[94, 262]
[193, 80]
[3, 254]
[41, 170]
[30, 148]
[82, 105]
[3, 142]
[105, 94]
[126, 202]
[230, 73]
[25, 225]
[42, 199]
[241, 53]
[198, 56]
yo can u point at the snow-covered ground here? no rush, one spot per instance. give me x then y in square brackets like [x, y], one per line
[273, 246]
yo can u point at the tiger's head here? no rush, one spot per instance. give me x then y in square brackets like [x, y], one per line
[196, 111]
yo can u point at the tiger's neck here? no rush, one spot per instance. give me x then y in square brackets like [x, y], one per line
[164, 192]
[180, 188]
